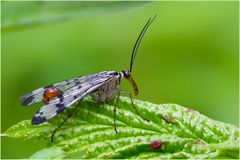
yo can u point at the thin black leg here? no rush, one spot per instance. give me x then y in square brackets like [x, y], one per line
[114, 111]
[130, 96]
[59, 126]
[114, 119]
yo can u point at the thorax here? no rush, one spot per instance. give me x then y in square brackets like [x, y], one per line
[108, 90]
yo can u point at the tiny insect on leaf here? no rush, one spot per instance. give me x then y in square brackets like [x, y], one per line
[156, 144]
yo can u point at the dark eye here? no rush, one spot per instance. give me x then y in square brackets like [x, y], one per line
[126, 73]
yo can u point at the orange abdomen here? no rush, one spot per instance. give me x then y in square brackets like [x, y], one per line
[50, 93]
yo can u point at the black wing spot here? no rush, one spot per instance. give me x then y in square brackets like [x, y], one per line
[77, 83]
[114, 73]
[60, 110]
[27, 101]
[59, 105]
[49, 86]
[75, 97]
[38, 120]
[61, 97]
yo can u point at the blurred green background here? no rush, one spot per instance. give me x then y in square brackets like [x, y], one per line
[189, 55]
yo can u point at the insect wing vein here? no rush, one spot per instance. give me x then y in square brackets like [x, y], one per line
[36, 95]
[58, 105]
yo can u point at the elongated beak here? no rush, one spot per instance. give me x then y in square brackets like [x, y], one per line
[134, 85]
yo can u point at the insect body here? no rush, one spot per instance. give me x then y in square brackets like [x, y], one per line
[108, 90]
[101, 86]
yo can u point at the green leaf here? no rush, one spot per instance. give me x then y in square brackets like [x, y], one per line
[19, 15]
[181, 132]
[49, 153]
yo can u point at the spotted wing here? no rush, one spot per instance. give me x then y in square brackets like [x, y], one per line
[77, 93]
[37, 95]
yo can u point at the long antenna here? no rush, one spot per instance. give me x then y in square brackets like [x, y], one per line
[139, 39]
